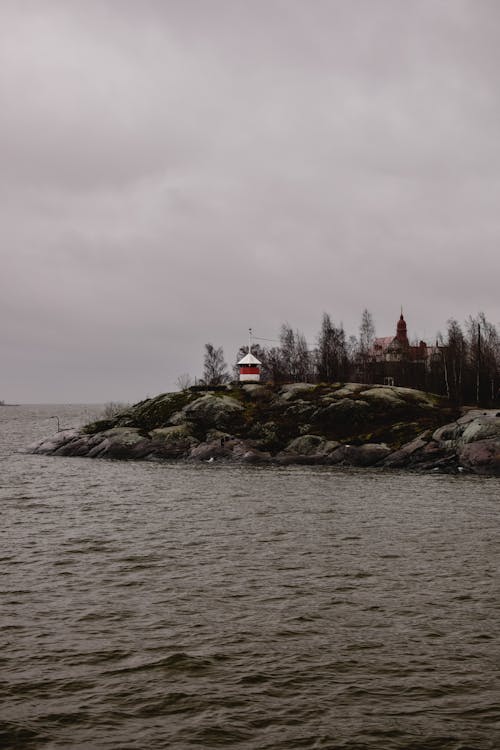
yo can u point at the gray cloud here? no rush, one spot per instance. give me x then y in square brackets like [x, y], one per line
[173, 172]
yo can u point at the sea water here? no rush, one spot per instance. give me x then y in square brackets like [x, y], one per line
[170, 605]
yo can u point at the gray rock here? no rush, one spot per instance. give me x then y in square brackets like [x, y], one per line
[79, 446]
[174, 435]
[308, 445]
[99, 448]
[54, 442]
[433, 455]
[255, 390]
[213, 411]
[402, 456]
[474, 426]
[305, 445]
[177, 419]
[300, 410]
[344, 392]
[388, 398]
[266, 434]
[418, 397]
[206, 451]
[448, 433]
[343, 411]
[123, 435]
[242, 451]
[471, 414]
[481, 456]
[292, 390]
[120, 442]
[336, 456]
[368, 454]
[481, 428]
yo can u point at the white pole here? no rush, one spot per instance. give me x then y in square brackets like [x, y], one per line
[249, 340]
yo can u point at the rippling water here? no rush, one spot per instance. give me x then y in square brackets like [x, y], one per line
[174, 606]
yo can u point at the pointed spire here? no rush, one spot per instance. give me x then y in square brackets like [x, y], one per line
[401, 334]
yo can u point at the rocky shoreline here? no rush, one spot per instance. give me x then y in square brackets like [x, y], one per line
[347, 424]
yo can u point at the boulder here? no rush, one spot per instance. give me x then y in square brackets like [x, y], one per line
[79, 446]
[152, 412]
[386, 398]
[120, 442]
[481, 456]
[345, 411]
[368, 454]
[481, 428]
[207, 451]
[265, 435]
[470, 414]
[248, 454]
[433, 455]
[347, 390]
[308, 445]
[308, 449]
[402, 456]
[180, 433]
[336, 456]
[212, 410]
[292, 390]
[421, 398]
[470, 428]
[98, 448]
[54, 442]
[300, 410]
[448, 434]
[177, 419]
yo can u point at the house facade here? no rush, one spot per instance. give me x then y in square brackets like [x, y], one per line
[392, 360]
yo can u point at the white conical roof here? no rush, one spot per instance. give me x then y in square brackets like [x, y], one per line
[249, 359]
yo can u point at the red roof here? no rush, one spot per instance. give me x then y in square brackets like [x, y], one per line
[383, 343]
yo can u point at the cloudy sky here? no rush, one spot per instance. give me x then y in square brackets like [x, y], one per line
[175, 171]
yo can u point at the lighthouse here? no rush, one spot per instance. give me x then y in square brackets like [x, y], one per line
[249, 366]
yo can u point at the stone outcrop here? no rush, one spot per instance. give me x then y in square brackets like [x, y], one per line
[342, 424]
[470, 443]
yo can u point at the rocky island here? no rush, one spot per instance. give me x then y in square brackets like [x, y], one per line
[343, 424]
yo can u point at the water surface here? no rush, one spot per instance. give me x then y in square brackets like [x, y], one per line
[147, 605]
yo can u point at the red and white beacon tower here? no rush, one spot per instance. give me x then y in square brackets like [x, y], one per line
[249, 366]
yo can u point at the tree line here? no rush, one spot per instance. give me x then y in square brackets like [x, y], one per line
[463, 365]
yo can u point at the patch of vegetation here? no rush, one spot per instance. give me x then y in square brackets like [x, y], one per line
[155, 412]
[114, 409]
[101, 425]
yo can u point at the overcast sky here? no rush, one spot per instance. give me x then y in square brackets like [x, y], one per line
[175, 171]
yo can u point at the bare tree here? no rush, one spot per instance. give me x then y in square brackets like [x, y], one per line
[295, 356]
[483, 344]
[366, 333]
[184, 381]
[455, 361]
[113, 409]
[275, 365]
[214, 367]
[332, 356]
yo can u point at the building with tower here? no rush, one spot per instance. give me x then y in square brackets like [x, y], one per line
[394, 361]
